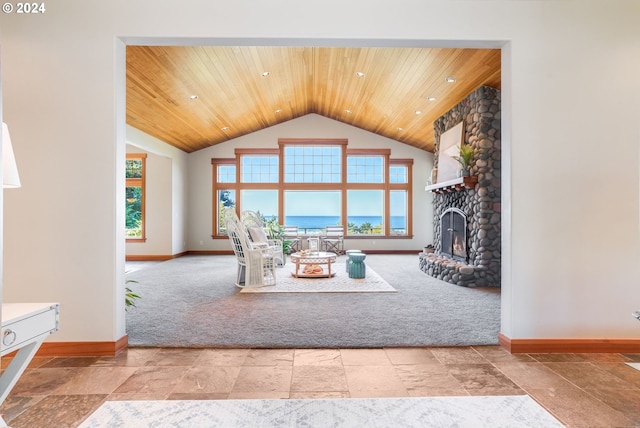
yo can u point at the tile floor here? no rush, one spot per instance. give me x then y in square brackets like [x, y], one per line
[581, 390]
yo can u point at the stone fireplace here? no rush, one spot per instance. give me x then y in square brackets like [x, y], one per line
[467, 218]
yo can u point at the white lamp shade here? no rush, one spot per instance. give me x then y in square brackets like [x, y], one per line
[10, 176]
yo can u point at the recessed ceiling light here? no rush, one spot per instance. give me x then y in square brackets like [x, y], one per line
[400, 129]
[348, 111]
[450, 79]
[418, 111]
[265, 74]
[193, 97]
[360, 74]
[279, 111]
[225, 128]
[431, 99]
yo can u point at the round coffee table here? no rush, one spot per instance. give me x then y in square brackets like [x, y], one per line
[312, 264]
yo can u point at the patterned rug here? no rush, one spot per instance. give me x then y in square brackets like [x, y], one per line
[340, 283]
[478, 412]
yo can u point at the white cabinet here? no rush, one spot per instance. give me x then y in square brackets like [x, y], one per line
[24, 327]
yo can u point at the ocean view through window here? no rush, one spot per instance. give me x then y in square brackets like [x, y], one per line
[316, 183]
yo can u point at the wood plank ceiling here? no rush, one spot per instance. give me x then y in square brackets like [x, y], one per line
[235, 97]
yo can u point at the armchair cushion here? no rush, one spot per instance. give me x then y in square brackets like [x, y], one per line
[257, 234]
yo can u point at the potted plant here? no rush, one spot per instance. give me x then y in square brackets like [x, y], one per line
[464, 159]
[129, 296]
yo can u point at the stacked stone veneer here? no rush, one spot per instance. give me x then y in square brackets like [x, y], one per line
[480, 112]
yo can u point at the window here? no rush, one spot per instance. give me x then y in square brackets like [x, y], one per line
[317, 183]
[365, 169]
[135, 195]
[259, 169]
[365, 212]
[224, 188]
[312, 164]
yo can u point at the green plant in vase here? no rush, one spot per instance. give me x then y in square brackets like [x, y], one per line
[465, 157]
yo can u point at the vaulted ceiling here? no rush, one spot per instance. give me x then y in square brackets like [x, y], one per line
[193, 97]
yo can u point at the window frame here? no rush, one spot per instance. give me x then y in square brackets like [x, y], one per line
[343, 186]
[138, 182]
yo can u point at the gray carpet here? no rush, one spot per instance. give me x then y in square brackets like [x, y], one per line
[191, 302]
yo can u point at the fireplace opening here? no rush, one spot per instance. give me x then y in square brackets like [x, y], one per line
[453, 227]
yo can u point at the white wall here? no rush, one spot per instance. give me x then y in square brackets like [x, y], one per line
[166, 201]
[309, 126]
[571, 157]
[157, 207]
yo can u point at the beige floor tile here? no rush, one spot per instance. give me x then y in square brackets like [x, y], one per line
[96, 380]
[33, 364]
[575, 407]
[365, 357]
[427, 376]
[142, 396]
[70, 362]
[462, 355]
[58, 411]
[318, 379]
[319, 395]
[625, 401]
[132, 357]
[270, 357]
[317, 357]
[411, 356]
[532, 375]
[42, 381]
[623, 371]
[373, 378]
[437, 392]
[263, 395]
[378, 393]
[198, 396]
[174, 357]
[588, 375]
[496, 354]
[151, 380]
[12, 407]
[207, 380]
[263, 379]
[479, 378]
[222, 357]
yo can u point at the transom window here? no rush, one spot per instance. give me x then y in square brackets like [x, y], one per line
[317, 183]
[312, 164]
[259, 168]
[365, 169]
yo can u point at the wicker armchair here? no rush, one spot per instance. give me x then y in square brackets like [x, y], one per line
[258, 235]
[256, 264]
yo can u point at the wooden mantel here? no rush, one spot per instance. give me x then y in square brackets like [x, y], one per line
[460, 183]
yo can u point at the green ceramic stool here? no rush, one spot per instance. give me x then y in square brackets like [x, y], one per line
[348, 253]
[357, 269]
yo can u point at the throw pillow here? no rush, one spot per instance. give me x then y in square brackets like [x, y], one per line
[257, 234]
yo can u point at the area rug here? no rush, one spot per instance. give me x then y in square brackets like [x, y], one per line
[340, 283]
[494, 412]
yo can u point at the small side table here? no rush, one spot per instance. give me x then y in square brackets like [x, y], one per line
[24, 327]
